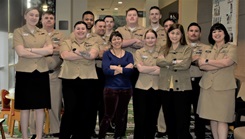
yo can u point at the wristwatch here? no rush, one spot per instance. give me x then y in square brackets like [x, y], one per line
[206, 61]
[74, 49]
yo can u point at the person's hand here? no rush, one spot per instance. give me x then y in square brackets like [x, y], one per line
[130, 65]
[113, 67]
[161, 57]
[201, 61]
[178, 61]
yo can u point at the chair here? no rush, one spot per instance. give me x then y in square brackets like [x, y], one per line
[239, 125]
[5, 105]
[47, 122]
[239, 131]
[15, 117]
[1, 128]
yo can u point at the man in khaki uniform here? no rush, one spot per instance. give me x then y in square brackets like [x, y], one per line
[100, 39]
[155, 16]
[109, 22]
[193, 39]
[132, 32]
[54, 62]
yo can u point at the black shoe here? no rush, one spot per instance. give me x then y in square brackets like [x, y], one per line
[160, 134]
[94, 135]
[56, 135]
[33, 136]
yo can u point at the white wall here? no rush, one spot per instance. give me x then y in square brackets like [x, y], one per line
[71, 11]
[4, 60]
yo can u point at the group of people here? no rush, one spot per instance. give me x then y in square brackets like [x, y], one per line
[163, 68]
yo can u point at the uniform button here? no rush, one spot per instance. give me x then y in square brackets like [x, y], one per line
[176, 81]
[175, 70]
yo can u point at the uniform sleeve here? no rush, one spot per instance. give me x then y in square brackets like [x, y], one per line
[129, 71]
[232, 53]
[17, 38]
[138, 57]
[106, 62]
[185, 64]
[65, 46]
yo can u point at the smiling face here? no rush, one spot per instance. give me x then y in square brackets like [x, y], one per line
[100, 28]
[32, 17]
[175, 36]
[80, 31]
[218, 36]
[150, 39]
[116, 42]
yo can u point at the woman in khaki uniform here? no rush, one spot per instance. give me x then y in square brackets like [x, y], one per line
[175, 84]
[146, 98]
[32, 79]
[217, 96]
[78, 76]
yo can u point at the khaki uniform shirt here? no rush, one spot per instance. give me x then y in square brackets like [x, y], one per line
[161, 36]
[146, 81]
[37, 39]
[196, 51]
[127, 34]
[103, 45]
[82, 68]
[54, 61]
[179, 73]
[223, 78]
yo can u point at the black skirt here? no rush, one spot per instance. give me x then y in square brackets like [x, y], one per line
[32, 90]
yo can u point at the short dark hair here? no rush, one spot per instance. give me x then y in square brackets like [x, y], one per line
[168, 19]
[87, 12]
[132, 9]
[80, 22]
[218, 26]
[155, 7]
[98, 20]
[116, 34]
[109, 16]
[48, 13]
[194, 24]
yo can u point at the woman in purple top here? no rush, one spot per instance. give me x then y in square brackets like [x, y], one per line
[117, 66]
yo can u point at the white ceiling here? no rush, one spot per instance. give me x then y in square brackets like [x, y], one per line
[109, 5]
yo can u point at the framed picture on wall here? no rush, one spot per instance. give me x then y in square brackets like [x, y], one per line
[226, 12]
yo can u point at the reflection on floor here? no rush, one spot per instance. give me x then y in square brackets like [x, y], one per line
[130, 127]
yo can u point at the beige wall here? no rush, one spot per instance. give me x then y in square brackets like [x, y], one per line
[187, 12]
[164, 3]
[241, 40]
